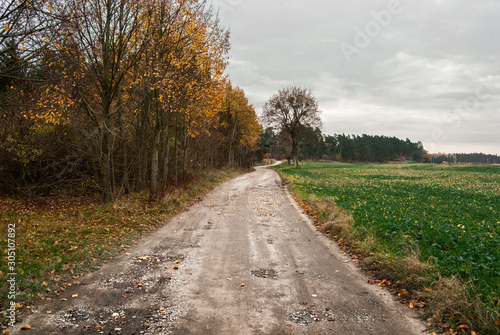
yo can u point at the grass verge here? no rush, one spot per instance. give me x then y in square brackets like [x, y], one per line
[59, 239]
[427, 233]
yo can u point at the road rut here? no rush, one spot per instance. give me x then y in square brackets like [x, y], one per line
[244, 260]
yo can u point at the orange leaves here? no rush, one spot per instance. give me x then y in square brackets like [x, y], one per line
[238, 123]
[417, 304]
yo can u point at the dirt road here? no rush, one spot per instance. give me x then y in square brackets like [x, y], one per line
[242, 261]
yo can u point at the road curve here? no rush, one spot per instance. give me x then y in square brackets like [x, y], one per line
[244, 260]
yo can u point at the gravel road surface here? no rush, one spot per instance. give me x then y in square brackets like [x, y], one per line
[244, 260]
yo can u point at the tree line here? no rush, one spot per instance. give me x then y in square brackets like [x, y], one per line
[116, 96]
[471, 158]
[340, 147]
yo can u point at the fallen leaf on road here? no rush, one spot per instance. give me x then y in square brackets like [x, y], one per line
[175, 268]
[64, 299]
[74, 295]
[242, 285]
[346, 260]
[314, 295]
[26, 327]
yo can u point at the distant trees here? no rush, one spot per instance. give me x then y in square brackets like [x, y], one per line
[477, 158]
[354, 148]
[293, 130]
[472, 158]
[369, 148]
[291, 111]
[361, 148]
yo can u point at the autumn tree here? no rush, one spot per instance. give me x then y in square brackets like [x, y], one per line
[98, 42]
[184, 77]
[292, 110]
[239, 127]
[126, 95]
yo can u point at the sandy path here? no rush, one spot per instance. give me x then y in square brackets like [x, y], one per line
[242, 261]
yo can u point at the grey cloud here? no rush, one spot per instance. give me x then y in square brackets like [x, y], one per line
[418, 66]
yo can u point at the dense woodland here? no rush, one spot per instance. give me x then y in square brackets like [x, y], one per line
[116, 96]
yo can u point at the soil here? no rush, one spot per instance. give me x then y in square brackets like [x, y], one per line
[245, 260]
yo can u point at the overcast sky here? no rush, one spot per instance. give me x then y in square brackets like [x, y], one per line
[427, 70]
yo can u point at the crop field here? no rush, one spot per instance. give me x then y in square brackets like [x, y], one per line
[449, 216]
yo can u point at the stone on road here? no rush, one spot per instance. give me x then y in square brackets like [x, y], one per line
[245, 260]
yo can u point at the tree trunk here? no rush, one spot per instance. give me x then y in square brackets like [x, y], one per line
[295, 152]
[153, 187]
[107, 192]
[186, 137]
[166, 160]
[176, 164]
[125, 185]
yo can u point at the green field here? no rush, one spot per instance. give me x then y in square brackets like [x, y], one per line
[449, 216]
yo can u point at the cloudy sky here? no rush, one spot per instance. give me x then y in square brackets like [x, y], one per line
[427, 70]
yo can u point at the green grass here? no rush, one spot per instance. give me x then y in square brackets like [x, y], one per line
[59, 239]
[448, 216]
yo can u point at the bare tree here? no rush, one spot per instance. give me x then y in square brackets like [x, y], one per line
[23, 37]
[291, 110]
[110, 37]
